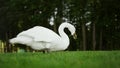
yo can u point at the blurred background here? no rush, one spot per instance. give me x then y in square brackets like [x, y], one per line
[97, 22]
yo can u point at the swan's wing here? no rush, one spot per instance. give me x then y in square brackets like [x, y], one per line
[39, 33]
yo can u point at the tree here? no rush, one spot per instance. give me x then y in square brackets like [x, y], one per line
[101, 34]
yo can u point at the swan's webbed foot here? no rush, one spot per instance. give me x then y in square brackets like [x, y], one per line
[46, 50]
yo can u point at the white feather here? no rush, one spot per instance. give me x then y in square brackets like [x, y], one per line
[40, 38]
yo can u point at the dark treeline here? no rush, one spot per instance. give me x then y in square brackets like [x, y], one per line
[97, 21]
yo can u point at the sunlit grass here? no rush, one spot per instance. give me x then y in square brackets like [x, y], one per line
[67, 59]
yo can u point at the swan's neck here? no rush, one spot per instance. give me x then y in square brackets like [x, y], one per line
[63, 35]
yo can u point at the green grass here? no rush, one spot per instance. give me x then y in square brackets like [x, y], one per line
[67, 59]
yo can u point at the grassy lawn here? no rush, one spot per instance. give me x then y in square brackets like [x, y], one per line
[66, 59]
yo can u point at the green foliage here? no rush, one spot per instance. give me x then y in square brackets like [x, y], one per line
[83, 59]
[19, 15]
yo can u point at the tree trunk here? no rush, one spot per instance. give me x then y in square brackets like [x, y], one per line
[101, 41]
[84, 36]
[94, 37]
[55, 27]
[7, 42]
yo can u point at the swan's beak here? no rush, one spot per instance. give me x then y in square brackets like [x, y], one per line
[75, 36]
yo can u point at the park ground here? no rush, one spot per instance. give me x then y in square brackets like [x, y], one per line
[64, 59]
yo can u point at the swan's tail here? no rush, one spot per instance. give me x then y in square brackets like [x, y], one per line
[20, 40]
[12, 41]
[17, 40]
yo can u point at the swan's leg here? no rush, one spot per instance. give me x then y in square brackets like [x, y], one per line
[46, 50]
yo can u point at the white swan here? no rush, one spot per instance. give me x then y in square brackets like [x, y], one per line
[41, 38]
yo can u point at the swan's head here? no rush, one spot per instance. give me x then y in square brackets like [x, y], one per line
[72, 29]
